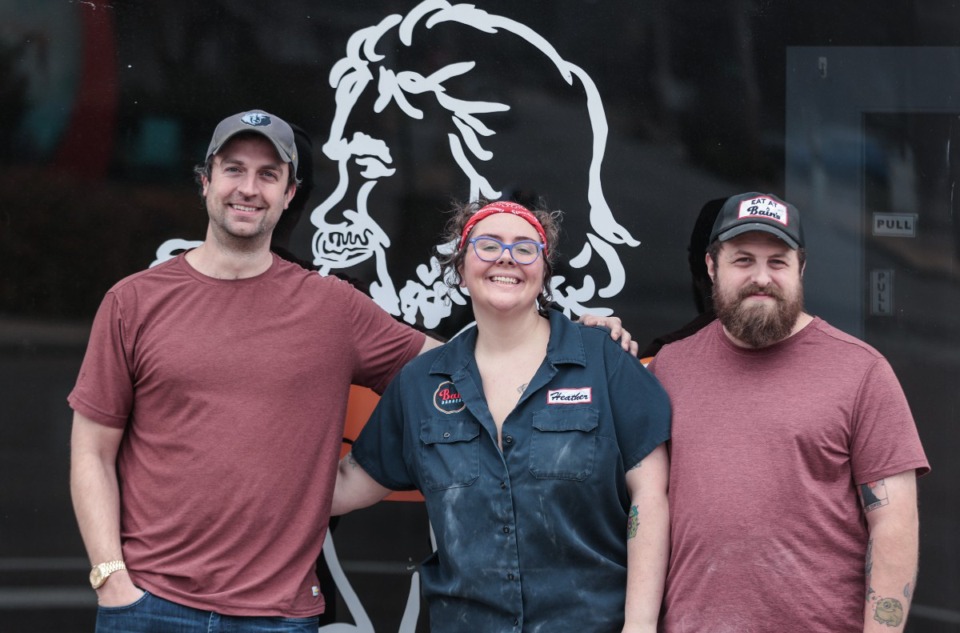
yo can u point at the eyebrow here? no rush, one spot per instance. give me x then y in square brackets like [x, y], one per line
[743, 251]
[237, 161]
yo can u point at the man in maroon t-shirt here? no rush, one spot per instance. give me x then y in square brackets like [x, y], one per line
[794, 454]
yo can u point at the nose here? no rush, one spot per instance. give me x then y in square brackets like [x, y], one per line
[248, 185]
[761, 276]
[506, 257]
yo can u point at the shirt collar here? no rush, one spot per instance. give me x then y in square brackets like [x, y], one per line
[564, 347]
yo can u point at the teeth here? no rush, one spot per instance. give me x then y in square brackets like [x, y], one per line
[504, 280]
[240, 207]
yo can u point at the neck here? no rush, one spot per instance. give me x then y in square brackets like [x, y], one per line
[500, 334]
[225, 260]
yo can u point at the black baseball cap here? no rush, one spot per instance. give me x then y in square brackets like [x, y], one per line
[754, 211]
[269, 125]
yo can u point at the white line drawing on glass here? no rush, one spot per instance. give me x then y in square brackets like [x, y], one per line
[346, 232]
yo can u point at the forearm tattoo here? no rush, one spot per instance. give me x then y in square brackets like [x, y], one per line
[350, 460]
[633, 522]
[886, 611]
[873, 495]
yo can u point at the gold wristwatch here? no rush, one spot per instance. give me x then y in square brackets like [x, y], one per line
[100, 573]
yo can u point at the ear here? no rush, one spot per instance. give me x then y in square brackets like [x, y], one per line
[288, 196]
[205, 185]
[710, 268]
[803, 268]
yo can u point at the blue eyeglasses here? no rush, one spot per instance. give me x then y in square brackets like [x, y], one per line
[489, 249]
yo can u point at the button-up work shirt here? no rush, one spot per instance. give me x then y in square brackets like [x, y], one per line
[531, 537]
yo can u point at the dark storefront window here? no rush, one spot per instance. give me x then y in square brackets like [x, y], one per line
[627, 115]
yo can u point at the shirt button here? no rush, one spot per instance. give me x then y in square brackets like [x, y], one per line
[503, 485]
[516, 622]
[447, 434]
[506, 529]
[508, 439]
[509, 576]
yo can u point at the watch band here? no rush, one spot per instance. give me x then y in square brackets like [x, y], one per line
[102, 571]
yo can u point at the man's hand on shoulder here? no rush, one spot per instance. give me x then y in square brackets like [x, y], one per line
[617, 332]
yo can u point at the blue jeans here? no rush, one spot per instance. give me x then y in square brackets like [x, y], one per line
[151, 614]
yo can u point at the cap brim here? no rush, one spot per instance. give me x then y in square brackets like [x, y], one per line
[740, 229]
[284, 156]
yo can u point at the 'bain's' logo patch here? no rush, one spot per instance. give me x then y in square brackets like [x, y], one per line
[570, 396]
[763, 208]
[256, 119]
[447, 398]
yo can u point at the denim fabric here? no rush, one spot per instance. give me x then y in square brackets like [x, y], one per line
[531, 537]
[151, 614]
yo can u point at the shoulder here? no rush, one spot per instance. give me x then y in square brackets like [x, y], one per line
[445, 360]
[824, 334]
[150, 281]
[160, 272]
[690, 347]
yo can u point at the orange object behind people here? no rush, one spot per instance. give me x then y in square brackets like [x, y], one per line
[361, 404]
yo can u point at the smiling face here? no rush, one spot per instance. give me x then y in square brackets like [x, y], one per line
[758, 288]
[247, 190]
[503, 285]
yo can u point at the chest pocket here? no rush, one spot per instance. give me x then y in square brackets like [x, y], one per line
[564, 443]
[449, 453]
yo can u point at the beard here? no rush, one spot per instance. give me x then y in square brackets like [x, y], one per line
[757, 325]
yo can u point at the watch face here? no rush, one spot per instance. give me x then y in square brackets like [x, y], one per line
[96, 578]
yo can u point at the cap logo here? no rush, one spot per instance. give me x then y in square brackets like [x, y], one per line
[766, 208]
[447, 398]
[256, 119]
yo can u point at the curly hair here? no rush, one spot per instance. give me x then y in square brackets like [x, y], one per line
[451, 262]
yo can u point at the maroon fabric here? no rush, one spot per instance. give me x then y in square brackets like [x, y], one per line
[233, 396]
[767, 448]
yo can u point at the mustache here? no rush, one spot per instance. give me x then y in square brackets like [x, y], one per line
[756, 289]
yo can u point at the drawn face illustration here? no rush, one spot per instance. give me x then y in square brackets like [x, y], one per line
[369, 82]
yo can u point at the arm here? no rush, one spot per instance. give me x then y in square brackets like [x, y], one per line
[429, 343]
[890, 506]
[96, 502]
[648, 541]
[354, 489]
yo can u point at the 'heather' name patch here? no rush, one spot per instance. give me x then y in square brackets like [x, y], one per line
[570, 396]
[763, 208]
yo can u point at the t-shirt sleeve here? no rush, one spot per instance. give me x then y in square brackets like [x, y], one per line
[383, 345]
[104, 388]
[641, 408]
[380, 447]
[884, 439]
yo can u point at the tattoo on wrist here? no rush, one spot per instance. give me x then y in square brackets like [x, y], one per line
[889, 612]
[633, 522]
[873, 495]
[523, 387]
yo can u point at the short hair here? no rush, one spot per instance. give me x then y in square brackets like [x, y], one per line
[204, 169]
[451, 261]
